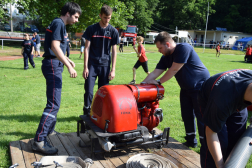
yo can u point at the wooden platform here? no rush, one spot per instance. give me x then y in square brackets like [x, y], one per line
[68, 144]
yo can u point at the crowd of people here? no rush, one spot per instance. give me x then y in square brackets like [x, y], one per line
[218, 103]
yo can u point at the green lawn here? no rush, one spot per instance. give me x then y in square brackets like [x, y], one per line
[23, 95]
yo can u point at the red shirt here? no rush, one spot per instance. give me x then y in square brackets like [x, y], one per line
[141, 50]
[249, 50]
[218, 48]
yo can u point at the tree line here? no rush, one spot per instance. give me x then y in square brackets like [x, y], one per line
[145, 14]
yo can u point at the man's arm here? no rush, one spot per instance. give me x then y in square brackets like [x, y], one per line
[55, 46]
[153, 75]
[86, 56]
[214, 147]
[32, 49]
[112, 72]
[169, 74]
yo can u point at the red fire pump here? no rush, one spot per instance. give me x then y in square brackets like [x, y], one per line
[124, 115]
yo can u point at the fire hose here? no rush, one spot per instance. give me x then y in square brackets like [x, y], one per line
[149, 160]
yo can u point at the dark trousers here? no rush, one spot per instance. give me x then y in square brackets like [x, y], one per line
[68, 51]
[102, 72]
[228, 137]
[190, 110]
[52, 70]
[121, 48]
[26, 57]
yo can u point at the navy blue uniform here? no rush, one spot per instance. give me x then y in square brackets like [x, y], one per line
[28, 44]
[190, 78]
[99, 57]
[224, 110]
[52, 70]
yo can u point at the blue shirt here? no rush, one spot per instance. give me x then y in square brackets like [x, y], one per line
[33, 41]
[222, 95]
[55, 31]
[27, 44]
[193, 73]
[101, 41]
[37, 39]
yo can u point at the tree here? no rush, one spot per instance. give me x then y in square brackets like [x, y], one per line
[189, 14]
[46, 11]
[143, 14]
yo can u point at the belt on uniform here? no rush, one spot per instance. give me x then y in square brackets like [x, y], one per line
[54, 58]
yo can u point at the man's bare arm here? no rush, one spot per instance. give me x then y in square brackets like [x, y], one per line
[114, 55]
[86, 56]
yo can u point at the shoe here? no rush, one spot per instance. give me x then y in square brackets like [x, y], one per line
[53, 133]
[33, 66]
[190, 145]
[44, 147]
[132, 82]
[86, 111]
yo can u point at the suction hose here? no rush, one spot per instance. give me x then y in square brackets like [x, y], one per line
[241, 152]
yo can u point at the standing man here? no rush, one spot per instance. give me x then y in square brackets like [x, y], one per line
[97, 57]
[223, 99]
[38, 44]
[33, 39]
[82, 41]
[27, 50]
[183, 63]
[68, 46]
[52, 68]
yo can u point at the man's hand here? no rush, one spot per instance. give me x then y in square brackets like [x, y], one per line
[71, 62]
[111, 75]
[85, 73]
[72, 72]
[152, 82]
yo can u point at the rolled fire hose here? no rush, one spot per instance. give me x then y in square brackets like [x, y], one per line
[241, 152]
[149, 160]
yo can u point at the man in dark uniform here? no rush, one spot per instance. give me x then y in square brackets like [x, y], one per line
[52, 68]
[82, 41]
[99, 39]
[68, 46]
[38, 44]
[183, 63]
[27, 50]
[223, 99]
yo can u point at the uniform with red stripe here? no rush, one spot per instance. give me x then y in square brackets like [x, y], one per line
[224, 110]
[52, 70]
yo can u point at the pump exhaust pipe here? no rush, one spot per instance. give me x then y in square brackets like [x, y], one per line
[106, 145]
[241, 152]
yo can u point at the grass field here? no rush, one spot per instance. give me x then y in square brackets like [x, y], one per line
[23, 93]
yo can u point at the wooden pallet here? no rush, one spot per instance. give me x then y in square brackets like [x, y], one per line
[68, 144]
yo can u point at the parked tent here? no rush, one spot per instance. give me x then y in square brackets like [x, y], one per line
[244, 42]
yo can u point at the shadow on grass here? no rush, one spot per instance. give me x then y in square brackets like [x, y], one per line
[11, 68]
[241, 62]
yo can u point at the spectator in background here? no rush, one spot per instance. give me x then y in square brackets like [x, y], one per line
[134, 41]
[247, 57]
[125, 40]
[33, 39]
[68, 46]
[121, 44]
[82, 41]
[228, 46]
[27, 50]
[217, 50]
[38, 44]
[239, 46]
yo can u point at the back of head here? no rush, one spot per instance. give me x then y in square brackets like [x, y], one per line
[70, 7]
[106, 10]
[163, 37]
[140, 38]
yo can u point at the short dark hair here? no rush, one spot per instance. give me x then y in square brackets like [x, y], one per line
[70, 7]
[106, 10]
[163, 37]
